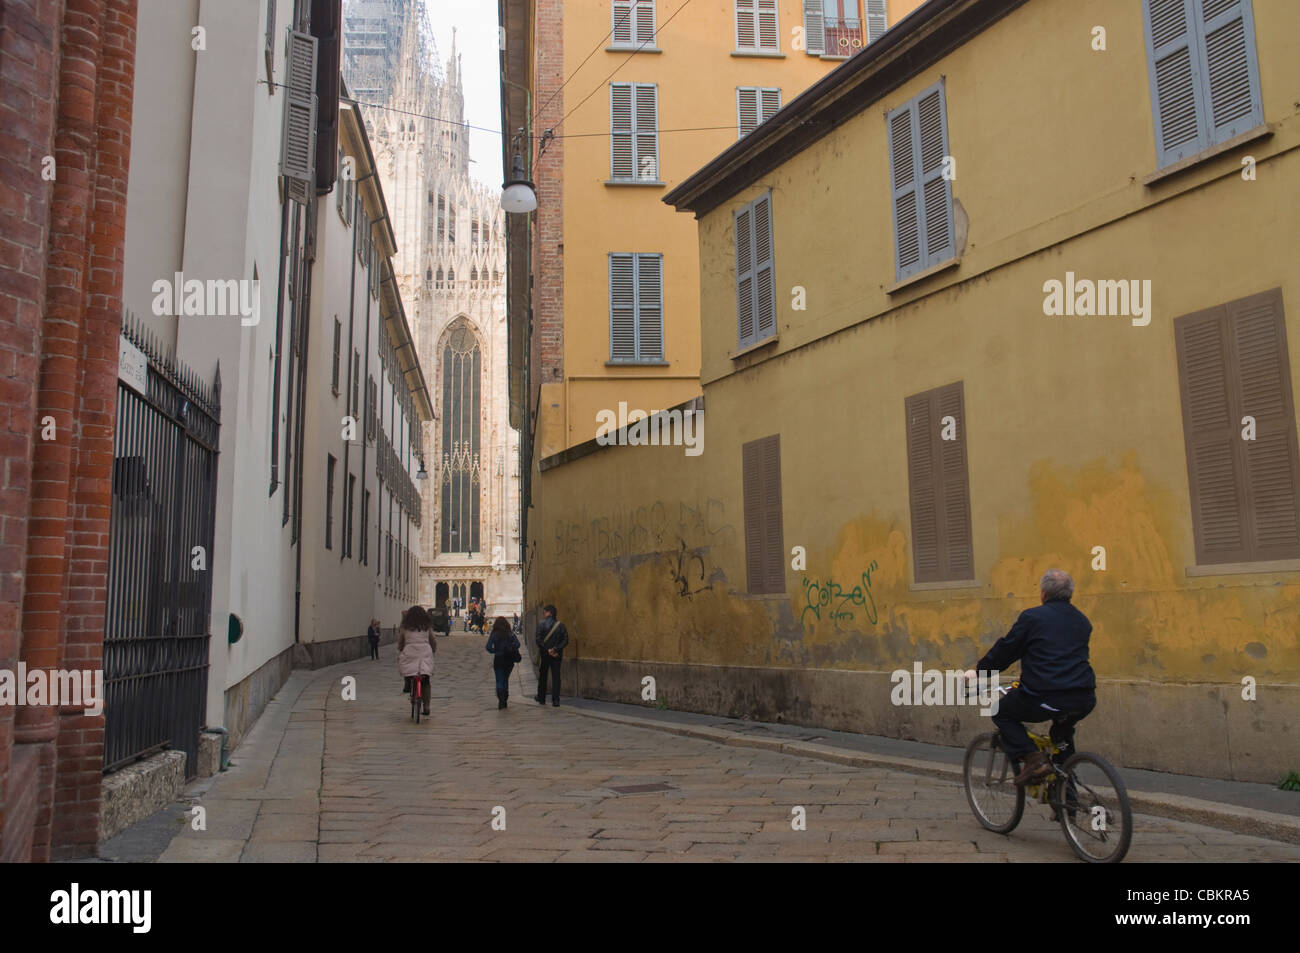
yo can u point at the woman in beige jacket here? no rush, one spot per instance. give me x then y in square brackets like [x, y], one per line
[415, 648]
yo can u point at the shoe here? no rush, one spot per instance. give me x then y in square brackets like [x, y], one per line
[1033, 768]
[556, 703]
[540, 701]
[426, 711]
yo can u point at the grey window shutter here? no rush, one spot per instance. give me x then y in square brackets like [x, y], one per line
[649, 307]
[764, 270]
[1271, 470]
[298, 140]
[269, 53]
[745, 275]
[902, 170]
[647, 130]
[752, 483]
[622, 165]
[1231, 68]
[623, 24]
[645, 22]
[814, 26]
[746, 110]
[767, 29]
[922, 490]
[936, 191]
[338, 184]
[955, 486]
[746, 25]
[770, 103]
[773, 541]
[1174, 68]
[877, 19]
[622, 307]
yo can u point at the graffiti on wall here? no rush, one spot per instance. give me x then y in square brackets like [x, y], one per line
[831, 601]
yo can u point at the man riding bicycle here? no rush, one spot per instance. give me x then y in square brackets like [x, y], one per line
[1051, 643]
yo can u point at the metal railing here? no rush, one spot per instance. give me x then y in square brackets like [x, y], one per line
[159, 583]
[843, 37]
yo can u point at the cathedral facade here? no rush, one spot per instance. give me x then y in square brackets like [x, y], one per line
[450, 268]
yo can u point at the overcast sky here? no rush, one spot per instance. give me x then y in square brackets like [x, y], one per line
[476, 40]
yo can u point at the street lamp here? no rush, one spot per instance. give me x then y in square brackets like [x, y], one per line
[518, 195]
[422, 474]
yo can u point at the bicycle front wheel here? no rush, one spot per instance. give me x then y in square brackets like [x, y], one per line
[415, 698]
[1092, 806]
[990, 781]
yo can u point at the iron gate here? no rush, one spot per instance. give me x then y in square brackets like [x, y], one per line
[159, 585]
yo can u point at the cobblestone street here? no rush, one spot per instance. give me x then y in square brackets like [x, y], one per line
[320, 778]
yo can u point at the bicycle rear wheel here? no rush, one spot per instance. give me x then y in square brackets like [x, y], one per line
[415, 698]
[990, 781]
[1092, 806]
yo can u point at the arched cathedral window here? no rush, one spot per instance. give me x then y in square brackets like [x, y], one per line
[461, 395]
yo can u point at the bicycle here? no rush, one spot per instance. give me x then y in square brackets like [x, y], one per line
[417, 696]
[1087, 796]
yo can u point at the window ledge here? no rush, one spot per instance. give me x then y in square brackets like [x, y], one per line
[1233, 569]
[1250, 135]
[950, 584]
[648, 363]
[751, 348]
[633, 48]
[832, 56]
[653, 183]
[771, 54]
[922, 275]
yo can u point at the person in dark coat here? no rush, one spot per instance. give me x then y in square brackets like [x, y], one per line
[552, 637]
[372, 634]
[505, 652]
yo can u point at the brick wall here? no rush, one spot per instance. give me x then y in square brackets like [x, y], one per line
[67, 71]
[547, 344]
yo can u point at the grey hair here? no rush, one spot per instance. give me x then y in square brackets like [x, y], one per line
[1057, 584]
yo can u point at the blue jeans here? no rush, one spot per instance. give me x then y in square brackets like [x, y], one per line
[503, 680]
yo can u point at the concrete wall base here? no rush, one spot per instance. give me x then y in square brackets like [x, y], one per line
[1204, 730]
[139, 790]
[322, 654]
[246, 700]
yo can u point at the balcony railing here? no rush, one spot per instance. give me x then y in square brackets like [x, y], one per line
[844, 37]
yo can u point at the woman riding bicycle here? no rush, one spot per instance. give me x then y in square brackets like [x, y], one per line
[415, 648]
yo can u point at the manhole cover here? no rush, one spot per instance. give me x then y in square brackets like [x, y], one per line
[641, 788]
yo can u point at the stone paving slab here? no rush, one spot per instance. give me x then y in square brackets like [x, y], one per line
[323, 779]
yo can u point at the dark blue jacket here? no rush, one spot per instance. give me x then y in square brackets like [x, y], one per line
[1051, 643]
[502, 650]
[551, 634]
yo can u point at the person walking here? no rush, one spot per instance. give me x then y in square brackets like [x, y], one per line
[505, 653]
[372, 634]
[551, 639]
[415, 648]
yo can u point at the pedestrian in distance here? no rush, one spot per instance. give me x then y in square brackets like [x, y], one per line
[551, 639]
[505, 653]
[415, 648]
[372, 635]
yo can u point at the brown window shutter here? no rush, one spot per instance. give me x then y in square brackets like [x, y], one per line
[939, 487]
[773, 537]
[764, 537]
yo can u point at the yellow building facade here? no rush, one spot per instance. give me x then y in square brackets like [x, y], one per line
[1033, 304]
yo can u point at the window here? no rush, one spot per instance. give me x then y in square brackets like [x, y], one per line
[755, 272]
[461, 423]
[363, 233]
[356, 383]
[329, 501]
[918, 148]
[473, 234]
[636, 314]
[442, 218]
[338, 342]
[439, 281]
[349, 500]
[938, 485]
[764, 548]
[1204, 74]
[365, 527]
[634, 136]
[371, 421]
[755, 105]
[836, 27]
[298, 142]
[1239, 430]
[756, 27]
[634, 23]
[451, 277]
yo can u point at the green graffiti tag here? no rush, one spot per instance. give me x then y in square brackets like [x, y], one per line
[831, 596]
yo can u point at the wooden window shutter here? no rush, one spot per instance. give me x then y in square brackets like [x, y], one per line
[649, 307]
[1245, 494]
[622, 308]
[814, 27]
[744, 275]
[769, 104]
[918, 146]
[764, 270]
[645, 22]
[647, 130]
[767, 29]
[764, 544]
[877, 19]
[298, 138]
[746, 110]
[938, 486]
[622, 165]
[746, 25]
[623, 22]
[338, 340]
